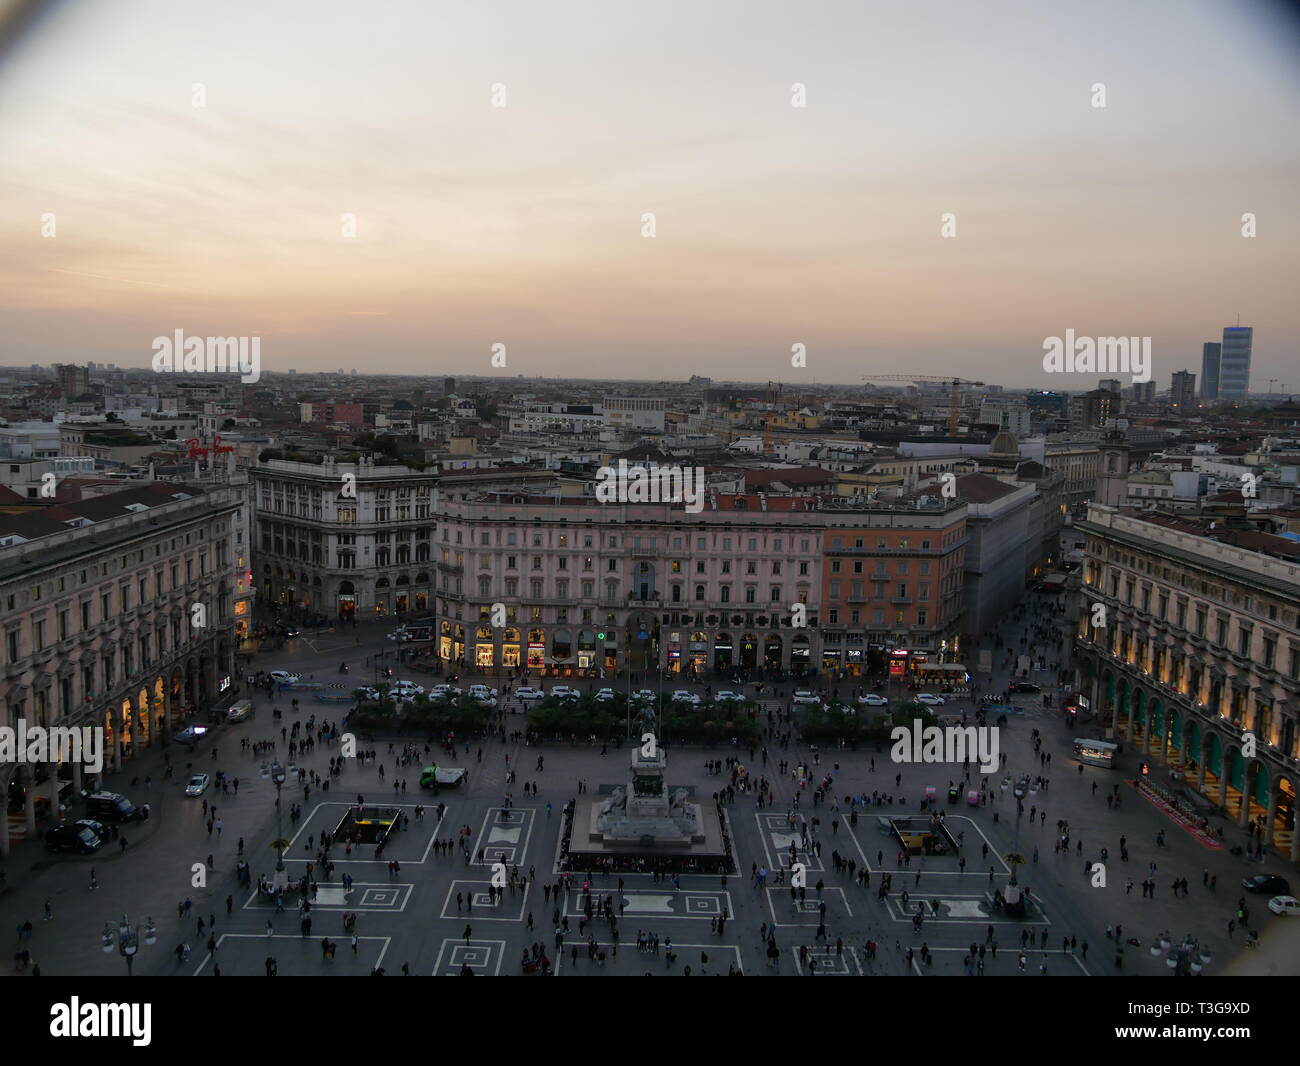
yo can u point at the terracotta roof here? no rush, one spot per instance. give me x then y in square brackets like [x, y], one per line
[977, 488]
[795, 475]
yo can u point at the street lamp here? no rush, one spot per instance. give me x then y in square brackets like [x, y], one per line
[281, 875]
[128, 941]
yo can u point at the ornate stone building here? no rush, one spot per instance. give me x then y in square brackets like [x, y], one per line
[1197, 664]
[98, 624]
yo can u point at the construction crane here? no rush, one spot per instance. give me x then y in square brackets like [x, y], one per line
[954, 395]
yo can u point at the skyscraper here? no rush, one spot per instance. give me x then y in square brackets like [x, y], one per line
[1210, 370]
[1234, 363]
[1182, 392]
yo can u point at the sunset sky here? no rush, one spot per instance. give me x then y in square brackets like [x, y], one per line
[775, 224]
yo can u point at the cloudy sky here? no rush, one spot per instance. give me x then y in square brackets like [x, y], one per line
[774, 224]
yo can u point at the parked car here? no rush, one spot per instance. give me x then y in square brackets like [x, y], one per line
[239, 710]
[483, 694]
[98, 828]
[408, 690]
[1025, 688]
[1270, 883]
[366, 692]
[198, 785]
[528, 695]
[803, 696]
[682, 696]
[74, 838]
[727, 696]
[930, 699]
[643, 695]
[872, 699]
[564, 692]
[112, 806]
[442, 691]
[283, 677]
[1284, 905]
[605, 695]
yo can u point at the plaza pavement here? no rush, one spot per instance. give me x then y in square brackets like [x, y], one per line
[412, 918]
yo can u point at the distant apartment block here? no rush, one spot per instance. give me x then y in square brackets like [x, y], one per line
[635, 412]
[1182, 391]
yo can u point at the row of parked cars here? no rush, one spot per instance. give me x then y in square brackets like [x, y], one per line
[89, 834]
[808, 698]
[608, 695]
[407, 691]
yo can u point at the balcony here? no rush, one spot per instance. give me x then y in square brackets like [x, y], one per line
[901, 599]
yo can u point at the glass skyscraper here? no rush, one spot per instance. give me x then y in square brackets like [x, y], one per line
[1234, 362]
[1210, 371]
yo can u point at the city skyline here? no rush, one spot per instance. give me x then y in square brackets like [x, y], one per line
[775, 225]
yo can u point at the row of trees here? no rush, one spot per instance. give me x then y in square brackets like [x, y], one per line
[709, 723]
[423, 716]
[676, 723]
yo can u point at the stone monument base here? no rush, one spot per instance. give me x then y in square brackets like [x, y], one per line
[658, 840]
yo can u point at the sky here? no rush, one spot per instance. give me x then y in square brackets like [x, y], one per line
[774, 225]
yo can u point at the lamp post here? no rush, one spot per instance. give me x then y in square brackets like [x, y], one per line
[281, 875]
[128, 940]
